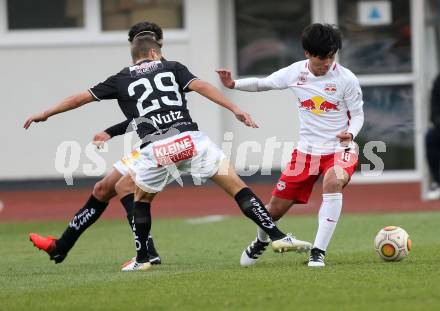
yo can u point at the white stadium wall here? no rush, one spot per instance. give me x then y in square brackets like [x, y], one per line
[275, 113]
[38, 69]
[36, 79]
[36, 76]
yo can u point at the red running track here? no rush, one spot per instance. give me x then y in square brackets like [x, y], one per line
[176, 202]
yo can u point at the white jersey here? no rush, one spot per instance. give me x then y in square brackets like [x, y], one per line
[324, 103]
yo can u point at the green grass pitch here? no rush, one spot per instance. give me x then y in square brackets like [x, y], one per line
[201, 271]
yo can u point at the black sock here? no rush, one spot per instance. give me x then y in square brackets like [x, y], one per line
[254, 209]
[127, 202]
[83, 219]
[142, 226]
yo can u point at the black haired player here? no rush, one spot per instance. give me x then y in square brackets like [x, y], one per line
[330, 116]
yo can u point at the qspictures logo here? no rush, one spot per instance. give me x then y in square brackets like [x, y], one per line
[272, 154]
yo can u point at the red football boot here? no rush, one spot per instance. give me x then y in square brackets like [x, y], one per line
[47, 244]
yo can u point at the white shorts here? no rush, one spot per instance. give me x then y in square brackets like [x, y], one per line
[163, 161]
[122, 166]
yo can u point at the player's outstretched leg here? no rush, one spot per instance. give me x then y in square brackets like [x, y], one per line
[141, 230]
[254, 209]
[47, 244]
[253, 252]
[58, 249]
[334, 180]
[125, 190]
[327, 218]
[277, 207]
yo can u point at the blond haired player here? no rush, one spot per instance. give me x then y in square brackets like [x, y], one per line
[116, 182]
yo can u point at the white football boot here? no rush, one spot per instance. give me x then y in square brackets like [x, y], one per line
[133, 265]
[251, 254]
[316, 258]
[289, 243]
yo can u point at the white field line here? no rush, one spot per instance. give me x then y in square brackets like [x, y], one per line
[206, 219]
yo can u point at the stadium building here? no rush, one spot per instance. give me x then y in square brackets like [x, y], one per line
[383, 254]
[52, 48]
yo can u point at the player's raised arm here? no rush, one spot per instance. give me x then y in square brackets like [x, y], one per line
[100, 138]
[115, 130]
[70, 103]
[212, 93]
[225, 76]
[276, 81]
[120, 128]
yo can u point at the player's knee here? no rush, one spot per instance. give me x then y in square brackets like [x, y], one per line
[119, 188]
[333, 185]
[335, 179]
[103, 191]
[143, 196]
[124, 187]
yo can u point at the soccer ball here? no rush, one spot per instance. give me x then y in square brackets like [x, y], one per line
[392, 243]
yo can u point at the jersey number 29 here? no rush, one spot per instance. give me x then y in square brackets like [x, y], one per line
[149, 89]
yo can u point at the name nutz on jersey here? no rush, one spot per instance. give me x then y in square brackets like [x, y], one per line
[152, 93]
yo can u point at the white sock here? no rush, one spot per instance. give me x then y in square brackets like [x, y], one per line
[328, 218]
[263, 236]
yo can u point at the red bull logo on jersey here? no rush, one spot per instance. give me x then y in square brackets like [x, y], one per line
[318, 105]
[302, 78]
[330, 88]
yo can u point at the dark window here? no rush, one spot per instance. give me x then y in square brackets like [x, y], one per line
[375, 49]
[122, 14]
[44, 14]
[269, 34]
[389, 117]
